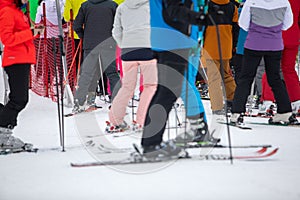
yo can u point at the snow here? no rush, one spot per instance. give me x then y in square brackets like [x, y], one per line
[48, 175]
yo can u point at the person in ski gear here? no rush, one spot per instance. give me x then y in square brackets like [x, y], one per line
[264, 39]
[291, 38]
[18, 55]
[132, 35]
[51, 17]
[94, 23]
[225, 15]
[190, 95]
[73, 5]
[238, 64]
[170, 21]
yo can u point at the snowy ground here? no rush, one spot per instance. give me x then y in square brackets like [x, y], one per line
[47, 175]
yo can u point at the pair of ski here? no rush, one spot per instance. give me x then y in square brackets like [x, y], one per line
[136, 157]
[190, 145]
[246, 127]
[26, 148]
[88, 110]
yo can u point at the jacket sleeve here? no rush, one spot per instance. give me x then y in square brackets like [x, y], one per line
[79, 22]
[39, 14]
[117, 31]
[176, 10]
[288, 18]
[235, 27]
[244, 20]
[8, 37]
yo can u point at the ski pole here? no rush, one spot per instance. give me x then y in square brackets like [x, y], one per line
[222, 76]
[57, 89]
[102, 80]
[67, 92]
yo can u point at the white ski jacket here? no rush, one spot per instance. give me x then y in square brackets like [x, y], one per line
[132, 24]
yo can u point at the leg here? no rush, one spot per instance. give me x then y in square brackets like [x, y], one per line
[171, 66]
[214, 84]
[190, 94]
[228, 81]
[195, 112]
[251, 61]
[289, 73]
[88, 71]
[258, 78]
[267, 94]
[149, 73]
[272, 61]
[120, 102]
[18, 79]
[108, 65]
[238, 67]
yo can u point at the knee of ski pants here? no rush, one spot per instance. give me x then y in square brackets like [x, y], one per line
[150, 87]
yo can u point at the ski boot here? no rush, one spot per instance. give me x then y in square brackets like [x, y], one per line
[296, 107]
[137, 127]
[77, 108]
[198, 133]
[237, 119]
[115, 129]
[284, 118]
[164, 151]
[11, 144]
[270, 111]
[264, 107]
[90, 99]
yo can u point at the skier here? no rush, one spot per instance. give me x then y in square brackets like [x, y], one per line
[93, 24]
[18, 54]
[73, 5]
[264, 39]
[170, 20]
[51, 17]
[291, 43]
[133, 36]
[190, 95]
[228, 27]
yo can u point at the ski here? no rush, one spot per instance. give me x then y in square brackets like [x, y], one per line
[258, 115]
[220, 146]
[126, 161]
[26, 148]
[106, 149]
[137, 158]
[189, 145]
[241, 126]
[89, 109]
[242, 157]
[275, 124]
[124, 133]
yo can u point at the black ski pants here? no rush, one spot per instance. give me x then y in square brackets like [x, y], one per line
[171, 67]
[18, 80]
[251, 61]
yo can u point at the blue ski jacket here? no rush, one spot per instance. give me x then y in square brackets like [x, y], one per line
[170, 24]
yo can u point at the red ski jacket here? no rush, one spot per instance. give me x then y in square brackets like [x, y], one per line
[15, 35]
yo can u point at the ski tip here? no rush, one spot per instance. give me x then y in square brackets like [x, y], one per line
[69, 115]
[274, 151]
[262, 150]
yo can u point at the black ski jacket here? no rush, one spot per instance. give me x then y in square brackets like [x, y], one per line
[94, 22]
